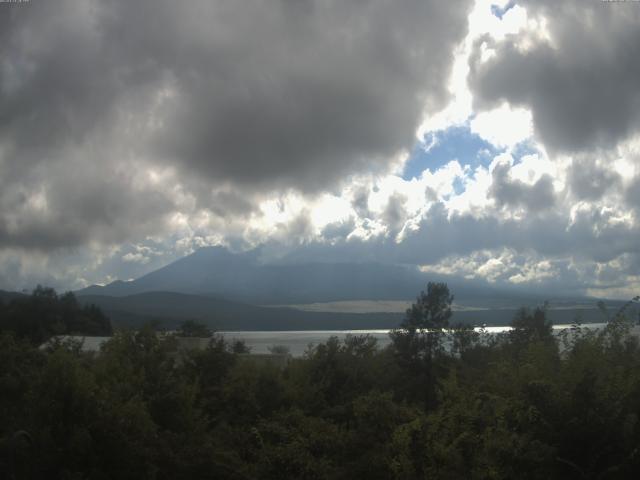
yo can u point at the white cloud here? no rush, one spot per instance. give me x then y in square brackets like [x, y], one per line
[135, 258]
[503, 126]
[482, 24]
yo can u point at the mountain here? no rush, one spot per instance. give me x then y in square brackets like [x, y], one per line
[230, 291]
[169, 309]
[236, 291]
[6, 297]
[214, 271]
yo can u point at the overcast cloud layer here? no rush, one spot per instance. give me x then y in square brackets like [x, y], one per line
[259, 95]
[133, 132]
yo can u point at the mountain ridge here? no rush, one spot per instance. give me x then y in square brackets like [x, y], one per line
[242, 277]
[169, 309]
[237, 291]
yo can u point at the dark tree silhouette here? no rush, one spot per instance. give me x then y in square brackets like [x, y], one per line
[431, 311]
[44, 314]
[191, 328]
[419, 341]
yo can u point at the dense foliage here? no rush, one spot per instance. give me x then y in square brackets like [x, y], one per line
[434, 404]
[44, 313]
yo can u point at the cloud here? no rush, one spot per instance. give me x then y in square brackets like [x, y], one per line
[135, 258]
[122, 119]
[632, 194]
[590, 180]
[514, 193]
[395, 213]
[338, 230]
[555, 234]
[132, 133]
[503, 126]
[503, 265]
[295, 95]
[573, 65]
[74, 204]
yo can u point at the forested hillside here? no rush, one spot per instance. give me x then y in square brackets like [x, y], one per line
[169, 309]
[44, 313]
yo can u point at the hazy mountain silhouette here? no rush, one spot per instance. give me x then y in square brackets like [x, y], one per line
[6, 296]
[242, 277]
[170, 308]
[228, 291]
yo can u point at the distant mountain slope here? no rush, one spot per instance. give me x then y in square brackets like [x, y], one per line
[241, 277]
[6, 296]
[170, 308]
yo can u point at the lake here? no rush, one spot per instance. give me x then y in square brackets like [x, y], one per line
[298, 341]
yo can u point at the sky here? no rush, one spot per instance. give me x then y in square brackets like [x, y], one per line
[488, 140]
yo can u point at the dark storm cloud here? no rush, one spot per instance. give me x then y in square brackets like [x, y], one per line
[250, 95]
[270, 94]
[513, 193]
[58, 82]
[584, 89]
[230, 204]
[73, 206]
[590, 181]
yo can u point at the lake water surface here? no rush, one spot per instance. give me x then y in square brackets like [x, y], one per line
[299, 341]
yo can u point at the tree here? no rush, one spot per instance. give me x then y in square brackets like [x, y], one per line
[191, 328]
[240, 347]
[419, 340]
[279, 350]
[44, 314]
[531, 326]
[431, 311]
[420, 333]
